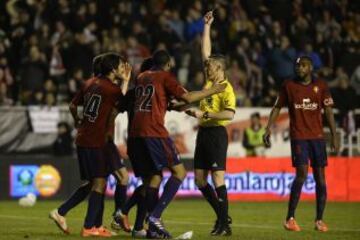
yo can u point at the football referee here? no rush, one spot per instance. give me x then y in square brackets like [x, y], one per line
[215, 113]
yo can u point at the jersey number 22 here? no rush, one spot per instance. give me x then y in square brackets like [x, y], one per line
[143, 98]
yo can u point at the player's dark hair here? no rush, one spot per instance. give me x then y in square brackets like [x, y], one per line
[161, 58]
[305, 57]
[147, 64]
[96, 65]
[109, 61]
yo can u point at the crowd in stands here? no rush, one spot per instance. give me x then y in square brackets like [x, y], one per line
[47, 46]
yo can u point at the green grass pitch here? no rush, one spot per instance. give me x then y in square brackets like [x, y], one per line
[252, 220]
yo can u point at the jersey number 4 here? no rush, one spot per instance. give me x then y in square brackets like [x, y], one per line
[143, 98]
[92, 107]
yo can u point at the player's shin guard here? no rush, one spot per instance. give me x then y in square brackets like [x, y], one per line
[321, 195]
[223, 204]
[209, 194]
[77, 197]
[94, 207]
[294, 198]
[170, 190]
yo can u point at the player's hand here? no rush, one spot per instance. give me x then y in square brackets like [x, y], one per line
[218, 87]
[195, 113]
[209, 18]
[335, 145]
[127, 72]
[266, 138]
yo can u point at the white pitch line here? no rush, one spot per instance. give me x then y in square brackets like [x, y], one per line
[236, 225]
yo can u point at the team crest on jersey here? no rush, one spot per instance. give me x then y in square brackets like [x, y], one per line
[316, 89]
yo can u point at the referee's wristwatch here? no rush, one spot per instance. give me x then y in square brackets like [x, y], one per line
[206, 115]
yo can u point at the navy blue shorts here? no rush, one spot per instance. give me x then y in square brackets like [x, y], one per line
[149, 155]
[112, 157]
[304, 150]
[92, 163]
[99, 162]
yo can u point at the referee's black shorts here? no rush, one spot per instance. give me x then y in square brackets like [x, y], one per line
[211, 148]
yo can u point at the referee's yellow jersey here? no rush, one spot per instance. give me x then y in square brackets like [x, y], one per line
[217, 103]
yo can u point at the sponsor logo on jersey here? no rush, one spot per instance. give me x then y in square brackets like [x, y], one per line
[306, 105]
[328, 101]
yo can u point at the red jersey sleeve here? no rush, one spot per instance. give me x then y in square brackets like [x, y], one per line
[172, 86]
[282, 99]
[327, 100]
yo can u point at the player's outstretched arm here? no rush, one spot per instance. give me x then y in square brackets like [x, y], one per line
[223, 115]
[275, 111]
[179, 106]
[335, 145]
[195, 96]
[206, 42]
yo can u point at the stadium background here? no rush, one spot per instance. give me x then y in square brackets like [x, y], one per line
[46, 48]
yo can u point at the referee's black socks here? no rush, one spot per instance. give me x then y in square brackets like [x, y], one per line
[223, 204]
[209, 194]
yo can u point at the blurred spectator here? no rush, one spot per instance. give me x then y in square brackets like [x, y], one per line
[253, 135]
[198, 83]
[57, 69]
[63, 143]
[50, 99]
[75, 83]
[136, 52]
[194, 22]
[327, 24]
[81, 54]
[260, 39]
[281, 61]
[33, 73]
[344, 97]
[37, 98]
[6, 83]
[309, 51]
[176, 24]
[355, 81]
